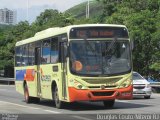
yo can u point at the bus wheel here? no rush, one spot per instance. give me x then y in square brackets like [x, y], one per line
[58, 103]
[35, 99]
[147, 97]
[27, 98]
[109, 103]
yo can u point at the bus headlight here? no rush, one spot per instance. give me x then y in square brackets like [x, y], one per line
[77, 84]
[126, 83]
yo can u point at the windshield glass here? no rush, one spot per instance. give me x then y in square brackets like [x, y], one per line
[136, 76]
[99, 57]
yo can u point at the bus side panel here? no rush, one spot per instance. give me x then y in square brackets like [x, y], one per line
[48, 75]
[46, 80]
[27, 74]
[19, 86]
[31, 79]
[19, 80]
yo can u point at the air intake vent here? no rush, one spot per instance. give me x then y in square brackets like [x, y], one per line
[110, 93]
[92, 87]
[139, 87]
[102, 81]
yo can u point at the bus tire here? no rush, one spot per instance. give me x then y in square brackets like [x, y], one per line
[58, 102]
[147, 97]
[27, 98]
[109, 103]
[35, 99]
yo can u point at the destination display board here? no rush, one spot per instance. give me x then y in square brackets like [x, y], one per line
[98, 32]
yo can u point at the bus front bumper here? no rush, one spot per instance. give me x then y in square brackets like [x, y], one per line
[100, 95]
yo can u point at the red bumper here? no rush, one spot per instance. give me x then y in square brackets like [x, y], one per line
[96, 95]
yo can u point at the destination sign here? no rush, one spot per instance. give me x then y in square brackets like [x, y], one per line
[98, 32]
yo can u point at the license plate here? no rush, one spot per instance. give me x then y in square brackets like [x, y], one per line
[140, 92]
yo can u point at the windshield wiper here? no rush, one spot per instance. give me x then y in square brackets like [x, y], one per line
[110, 46]
[91, 48]
[107, 54]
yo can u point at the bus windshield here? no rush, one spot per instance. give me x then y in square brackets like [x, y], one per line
[99, 57]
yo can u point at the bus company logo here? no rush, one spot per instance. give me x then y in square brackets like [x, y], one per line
[46, 78]
[102, 87]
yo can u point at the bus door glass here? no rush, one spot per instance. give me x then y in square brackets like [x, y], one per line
[63, 54]
[37, 62]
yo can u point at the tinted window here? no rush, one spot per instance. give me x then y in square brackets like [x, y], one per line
[54, 50]
[31, 52]
[25, 55]
[46, 50]
[99, 58]
[18, 56]
[136, 76]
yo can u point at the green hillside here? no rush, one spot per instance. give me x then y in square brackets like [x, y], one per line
[79, 11]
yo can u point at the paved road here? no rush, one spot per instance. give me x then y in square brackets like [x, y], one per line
[12, 102]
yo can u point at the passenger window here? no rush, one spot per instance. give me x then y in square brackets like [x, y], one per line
[54, 50]
[25, 55]
[31, 53]
[46, 50]
[18, 56]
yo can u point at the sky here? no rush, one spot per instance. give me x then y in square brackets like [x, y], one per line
[36, 7]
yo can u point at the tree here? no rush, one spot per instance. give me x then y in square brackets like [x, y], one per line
[142, 19]
[47, 19]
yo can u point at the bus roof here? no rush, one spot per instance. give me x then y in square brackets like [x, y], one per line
[60, 30]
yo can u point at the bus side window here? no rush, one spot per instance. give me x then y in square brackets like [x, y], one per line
[46, 49]
[18, 56]
[25, 55]
[31, 53]
[54, 50]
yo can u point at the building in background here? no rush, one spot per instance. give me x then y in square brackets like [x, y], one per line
[8, 16]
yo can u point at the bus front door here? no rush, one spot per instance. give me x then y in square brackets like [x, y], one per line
[63, 69]
[37, 62]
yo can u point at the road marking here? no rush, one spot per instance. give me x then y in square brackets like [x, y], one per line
[29, 107]
[82, 118]
[6, 90]
[3, 89]
[19, 105]
[125, 101]
[51, 111]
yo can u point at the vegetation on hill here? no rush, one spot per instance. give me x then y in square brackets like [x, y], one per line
[79, 11]
[140, 16]
[142, 19]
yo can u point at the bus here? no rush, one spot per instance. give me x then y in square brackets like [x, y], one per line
[88, 62]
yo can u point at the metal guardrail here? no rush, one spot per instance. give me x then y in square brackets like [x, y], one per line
[7, 80]
[155, 84]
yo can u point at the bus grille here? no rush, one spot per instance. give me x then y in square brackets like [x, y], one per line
[92, 87]
[103, 93]
[102, 81]
[139, 87]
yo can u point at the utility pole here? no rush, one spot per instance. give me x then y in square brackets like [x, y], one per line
[87, 9]
[27, 10]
